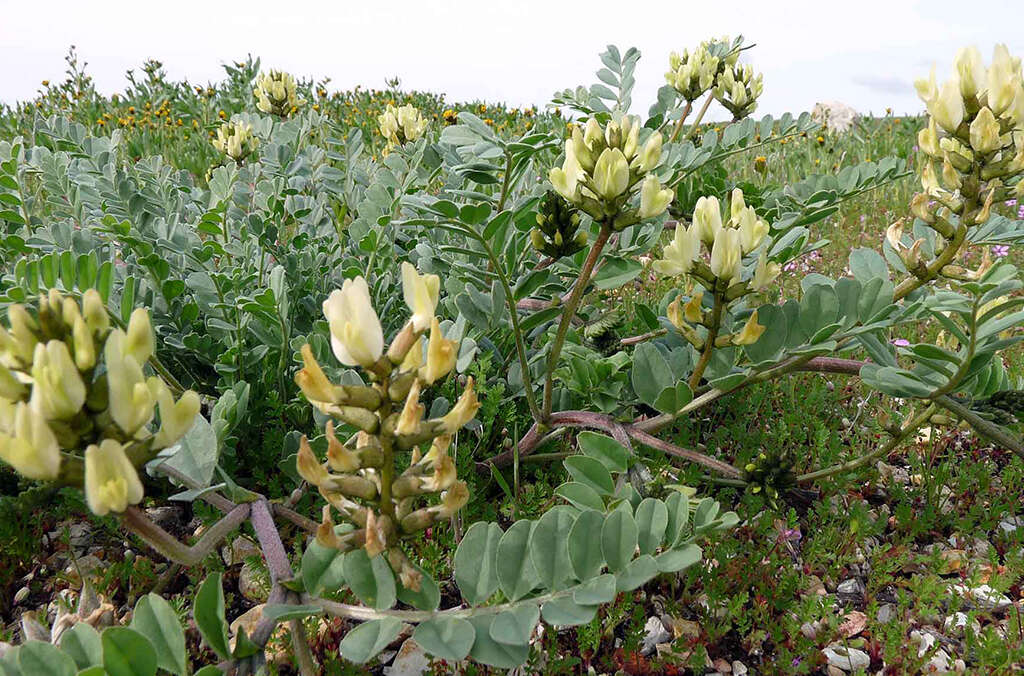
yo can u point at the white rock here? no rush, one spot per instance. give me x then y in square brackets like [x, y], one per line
[957, 623]
[654, 634]
[984, 597]
[411, 660]
[835, 115]
[1011, 524]
[847, 659]
[739, 668]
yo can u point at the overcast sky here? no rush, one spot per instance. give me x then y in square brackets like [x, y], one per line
[862, 52]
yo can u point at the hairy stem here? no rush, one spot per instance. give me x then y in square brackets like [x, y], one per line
[136, 520]
[986, 428]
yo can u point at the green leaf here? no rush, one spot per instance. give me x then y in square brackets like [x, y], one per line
[595, 591]
[371, 580]
[584, 547]
[197, 453]
[867, 264]
[549, 549]
[514, 626]
[476, 562]
[678, 506]
[776, 334]
[208, 612]
[517, 575]
[651, 520]
[580, 495]
[208, 670]
[488, 651]
[610, 453]
[614, 272]
[156, 620]
[651, 373]
[674, 560]
[618, 539]
[637, 572]
[82, 643]
[875, 296]
[126, 652]
[427, 598]
[447, 638]
[364, 642]
[282, 612]
[37, 657]
[819, 307]
[322, 569]
[590, 472]
[564, 612]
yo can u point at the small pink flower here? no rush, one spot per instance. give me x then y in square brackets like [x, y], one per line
[901, 342]
[1001, 250]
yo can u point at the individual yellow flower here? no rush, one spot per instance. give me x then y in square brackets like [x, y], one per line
[726, 253]
[27, 443]
[356, 334]
[176, 417]
[750, 333]
[654, 199]
[58, 391]
[441, 355]
[111, 481]
[412, 412]
[611, 174]
[463, 411]
[131, 398]
[707, 217]
[681, 252]
[421, 294]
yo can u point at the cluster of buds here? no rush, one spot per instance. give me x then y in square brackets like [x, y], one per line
[359, 478]
[722, 272]
[973, 147]
[771, 472]
[401, 125]
[557, 233]
[605, 168]
[694, 74]
[276, 94]
[236, 140]
[738, 89]
[56, 401]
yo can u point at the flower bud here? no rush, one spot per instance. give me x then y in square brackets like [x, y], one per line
[111, 482]
[611, 173]
[680, 253]
[654, 199]
[441, 355]
[985, 132]
[23, 333]
[139, 341]
[750, 333]
[948, 107]
[85, 348]
[57, 391]
[413, 358]
[356, 334]
[1002, 77]
[581, 151]
[10, 387]
[726, 253]
[707, 218]
[649, 157]
[30, 447]
[970, 69]
[421, 294]
[95, 312]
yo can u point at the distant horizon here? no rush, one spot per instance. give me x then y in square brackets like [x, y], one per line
[520, 55]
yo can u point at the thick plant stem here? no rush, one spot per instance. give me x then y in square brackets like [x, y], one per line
[909, 428]
[986, 428]
[568, 312]
[682, 120]
[270, 541]
[303, 655]
[156, 537]
[709, 342]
